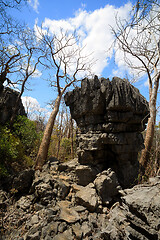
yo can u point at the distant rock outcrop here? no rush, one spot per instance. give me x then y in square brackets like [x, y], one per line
[8, 99]
[110, 116]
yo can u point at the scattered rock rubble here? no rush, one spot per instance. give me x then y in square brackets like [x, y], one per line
[60, 205]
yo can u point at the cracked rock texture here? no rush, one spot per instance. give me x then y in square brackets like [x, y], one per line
[91, 212]
[8, 99]
[110, 116]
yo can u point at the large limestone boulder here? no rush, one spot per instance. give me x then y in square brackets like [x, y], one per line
[111, 116]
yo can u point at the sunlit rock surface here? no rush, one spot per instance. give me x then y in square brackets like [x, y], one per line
[110, 116]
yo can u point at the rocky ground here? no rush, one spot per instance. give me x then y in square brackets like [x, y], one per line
[69, 201]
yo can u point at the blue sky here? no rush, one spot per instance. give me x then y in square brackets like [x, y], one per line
[93, 18]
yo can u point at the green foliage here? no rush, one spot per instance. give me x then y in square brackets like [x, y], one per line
[66, 145]
[19, 146]
[3, 170]
[10, 149]
[9, 145]
[25, 129]
[61, 148]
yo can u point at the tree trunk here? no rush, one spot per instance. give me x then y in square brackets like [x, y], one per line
[43, 149]
[72, 143]
[145, 155]
[59, 136]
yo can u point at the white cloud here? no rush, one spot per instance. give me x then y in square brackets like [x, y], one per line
[29, 101]
[118, 73]
[94, 30]
[12, 49]
[34, 4]
[34, 110]
[37, 73]
[146, 84]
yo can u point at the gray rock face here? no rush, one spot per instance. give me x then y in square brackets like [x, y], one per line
[139, 215]
[83, 212]
[8, 99]
[111, 116]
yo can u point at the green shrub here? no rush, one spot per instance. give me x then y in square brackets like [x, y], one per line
[3, 170]
[11, 149]
[66, 145]
[25, 129]
[9, 145]
[19, 146]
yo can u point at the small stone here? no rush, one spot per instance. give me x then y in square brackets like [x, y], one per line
[105, 210]
[76, 187]
[38, 207]
[62, 227]
[88, 198]
[64, 178]
[69, 215]
[50, 230]
[67, 235]
[24, 202]
[77, 231]
[34, 220]
[86, 229]
[35, 236]
[79, 208]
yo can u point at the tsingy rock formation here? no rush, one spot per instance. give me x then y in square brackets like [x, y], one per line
[8, 99]
[110, 116]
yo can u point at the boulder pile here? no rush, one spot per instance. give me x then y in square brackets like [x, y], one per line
[59, 205]
[110, 116]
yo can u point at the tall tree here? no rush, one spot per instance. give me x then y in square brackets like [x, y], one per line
[66, 60]
[139, 42]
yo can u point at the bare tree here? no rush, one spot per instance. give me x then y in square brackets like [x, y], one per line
[27, 65]
[8, 25]
[139, 42]
[18, 62]
[66, 60]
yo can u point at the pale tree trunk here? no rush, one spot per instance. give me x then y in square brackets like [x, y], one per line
[43, 149]
[72, 143]
[156, 157]
[59, 136]
[145, 155]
